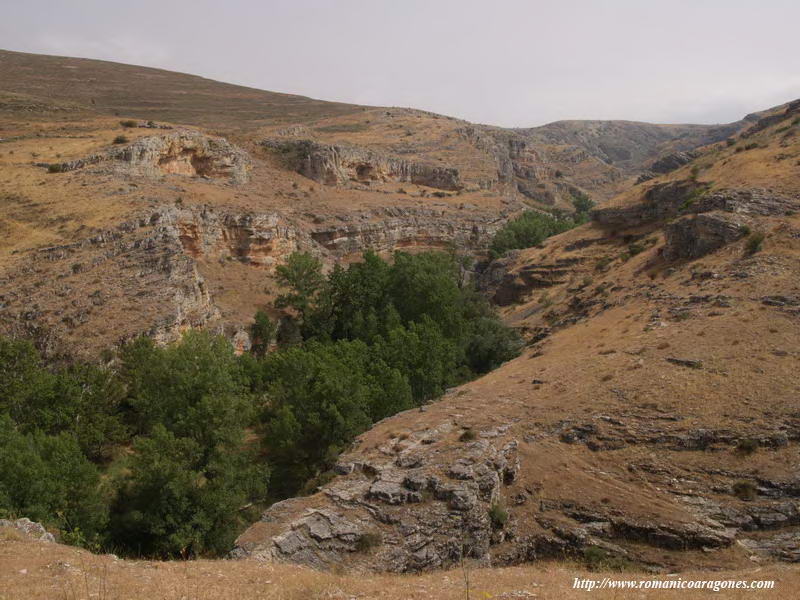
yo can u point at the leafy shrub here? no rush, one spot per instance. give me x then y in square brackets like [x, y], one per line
[597, 558]
[55, 168]
[744, 490]
[128, 123]
[747, 446]
[120, 139]
[755, 242]
[603, 263]
[375, 338]
[530, 229]
[582, 203]
[48, 479]
[498, 515]
[262, 333]
[367, 542]
[635, 248]
[468, 435]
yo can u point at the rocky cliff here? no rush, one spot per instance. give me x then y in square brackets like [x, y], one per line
[337, 164]
[183, 152]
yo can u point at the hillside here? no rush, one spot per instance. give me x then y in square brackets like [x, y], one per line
[651, 421]
[629, 145]
[654, 413]
[146, 93]
[310, 175]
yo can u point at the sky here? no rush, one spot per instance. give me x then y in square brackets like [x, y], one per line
[512, 63]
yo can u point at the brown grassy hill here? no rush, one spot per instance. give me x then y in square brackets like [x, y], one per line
[654, 416]
[147, 93]
[631, 145]
[66, 232]
[32, 570]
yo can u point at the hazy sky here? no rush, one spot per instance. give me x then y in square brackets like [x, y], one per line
[505, 62]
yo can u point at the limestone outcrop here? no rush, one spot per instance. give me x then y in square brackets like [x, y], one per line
[339, 164]
[669, 200]
[29, 529]
[697, 235]
[181, 152]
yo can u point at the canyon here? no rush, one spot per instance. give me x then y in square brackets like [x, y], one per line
[653, 414]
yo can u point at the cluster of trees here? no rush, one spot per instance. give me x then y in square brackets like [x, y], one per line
[149, 457]
[366, 342]
[532, 228]
[168, 451]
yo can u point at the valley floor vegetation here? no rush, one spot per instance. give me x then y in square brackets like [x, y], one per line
[171, 451]
[531, 228]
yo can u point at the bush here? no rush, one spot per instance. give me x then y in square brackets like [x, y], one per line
[597, 558]
[375, 338]
[498, 515]
[755, 242]
[262, 333]
[635, 248]
[468, 435]
[367, 542]
[55, 168]
[744, 490]
[120, 139]
[582, 203]
[747, 446]
[183, 499]
[128, 123]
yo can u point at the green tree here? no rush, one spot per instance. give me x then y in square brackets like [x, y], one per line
[183, 498]
[164, 383]
[302, 275]
[48, 479]
[424, 355]
[582, 203]
[529, 229]
[262, 333]
[320, 397]
[82, 399]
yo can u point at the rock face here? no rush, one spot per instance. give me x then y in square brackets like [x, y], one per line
[506, 288]
[426, 512]
[185, 152]
[697, 235]
[536, 171]
[182, 152]
[793, 108]
[29, 529]
[389, 229]
[672, 161]
[338, 164]
[155, 266]
[669, 200]
[627, 144]
[427, 499]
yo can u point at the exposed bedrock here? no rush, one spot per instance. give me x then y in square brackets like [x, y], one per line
[148, 269]
[182, 152]
[427, 497]
[669, 200]
[694, 236]
[339, 164]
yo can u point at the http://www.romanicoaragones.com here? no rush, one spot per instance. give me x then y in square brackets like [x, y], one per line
[712, 585]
